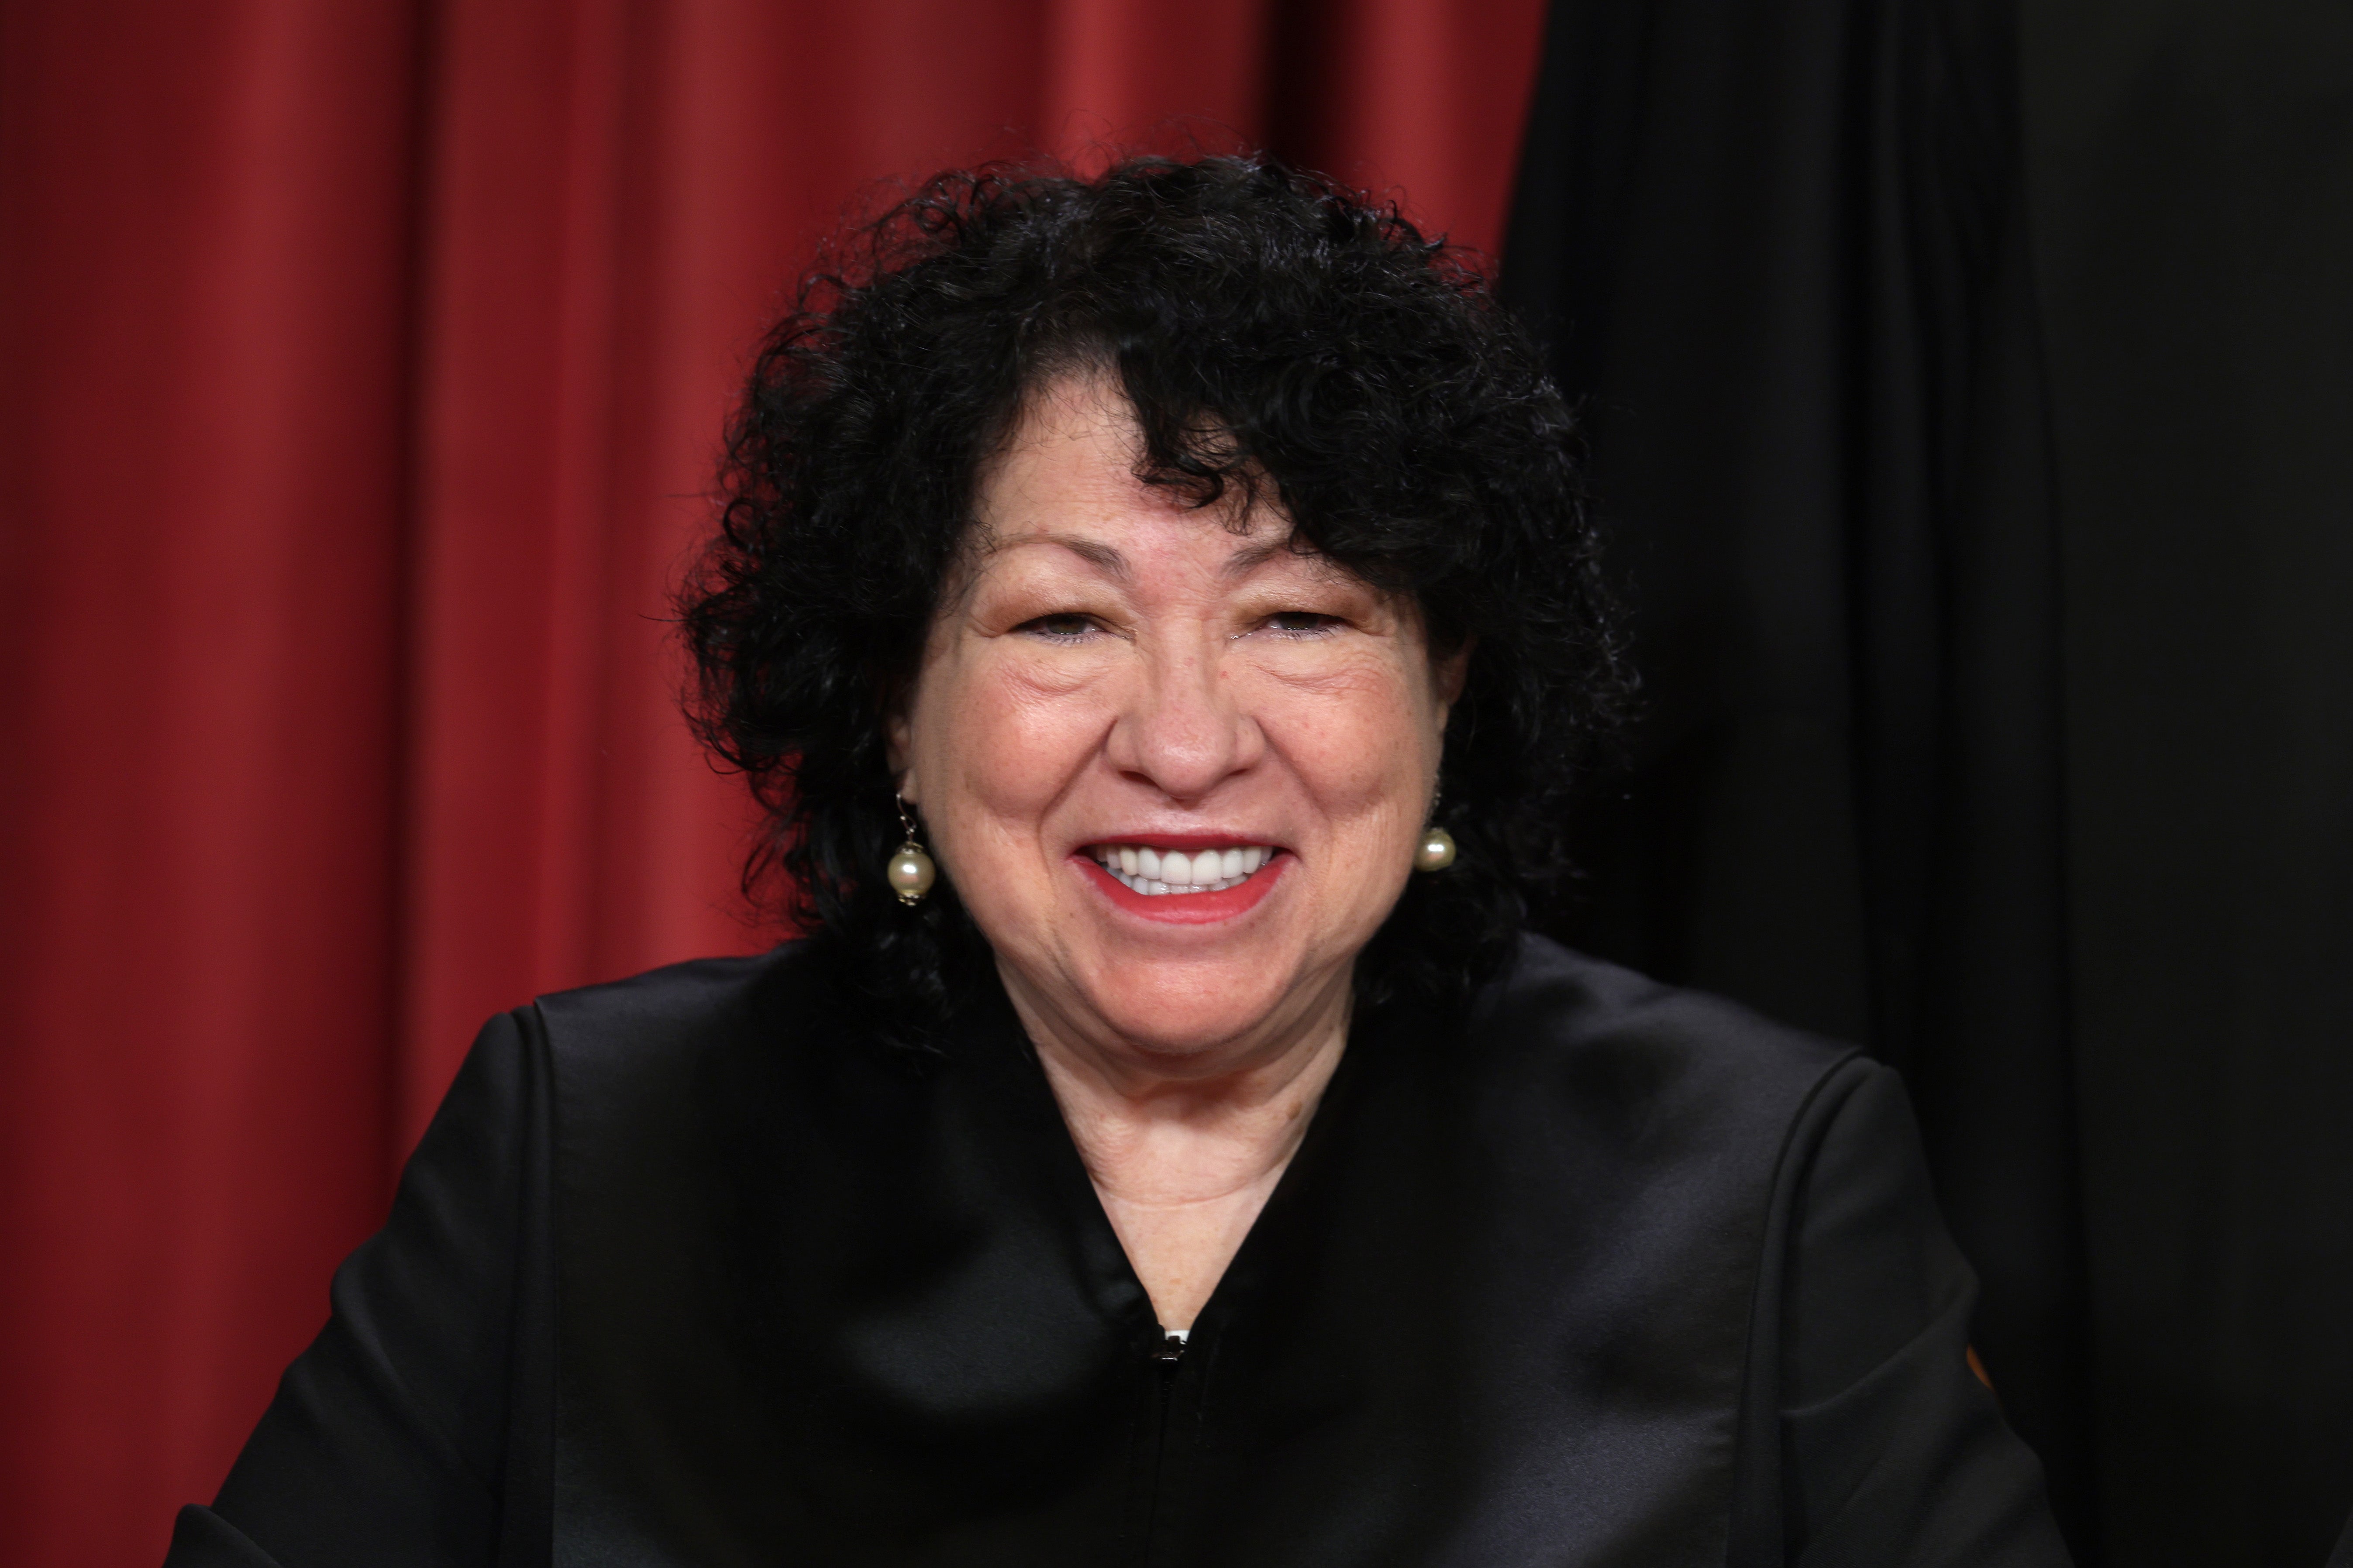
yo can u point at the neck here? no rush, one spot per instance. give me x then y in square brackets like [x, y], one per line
[1183, 1151]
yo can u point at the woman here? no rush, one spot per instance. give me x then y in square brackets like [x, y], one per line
[1157, 615]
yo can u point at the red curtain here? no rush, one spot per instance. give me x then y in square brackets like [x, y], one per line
[364, 367]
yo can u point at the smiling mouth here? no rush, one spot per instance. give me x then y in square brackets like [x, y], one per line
[1172, 873]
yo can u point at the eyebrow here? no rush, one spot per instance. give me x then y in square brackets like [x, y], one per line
[1250, 557]
[1111, 563]
[1101, 556]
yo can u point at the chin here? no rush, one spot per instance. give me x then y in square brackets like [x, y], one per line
[1181, 1008]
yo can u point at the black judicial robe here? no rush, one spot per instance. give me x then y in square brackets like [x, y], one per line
[689, 1271]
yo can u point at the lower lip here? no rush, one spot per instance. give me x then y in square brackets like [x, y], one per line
[1186, 909]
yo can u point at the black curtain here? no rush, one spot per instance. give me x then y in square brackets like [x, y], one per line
[1968, 399]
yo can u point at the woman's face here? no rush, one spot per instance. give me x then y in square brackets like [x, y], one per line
[1176, 773]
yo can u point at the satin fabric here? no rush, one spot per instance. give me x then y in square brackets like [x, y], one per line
[690, 1271]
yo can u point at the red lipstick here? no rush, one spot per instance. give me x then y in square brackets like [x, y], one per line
[1185, 909]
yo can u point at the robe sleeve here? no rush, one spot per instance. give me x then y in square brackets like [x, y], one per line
[1893, 1452]
[396, 1436]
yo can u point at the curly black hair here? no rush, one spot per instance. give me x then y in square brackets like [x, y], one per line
[1283, 342]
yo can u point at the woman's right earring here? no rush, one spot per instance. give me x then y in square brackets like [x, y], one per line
[912, 873]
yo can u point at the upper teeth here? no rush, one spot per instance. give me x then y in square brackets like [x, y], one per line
[1154, 871]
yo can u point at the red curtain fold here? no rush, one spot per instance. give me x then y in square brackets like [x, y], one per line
[364, 369]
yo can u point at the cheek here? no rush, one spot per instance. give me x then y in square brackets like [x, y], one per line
[1365, 750]
[998, 747]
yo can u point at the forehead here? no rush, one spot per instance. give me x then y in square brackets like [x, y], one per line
[1065, 480]
[1075, 444]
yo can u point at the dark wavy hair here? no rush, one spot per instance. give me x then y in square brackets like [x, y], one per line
[1286, 343]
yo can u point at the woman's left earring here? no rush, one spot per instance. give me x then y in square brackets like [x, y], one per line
[1436, 850]
[912, 872]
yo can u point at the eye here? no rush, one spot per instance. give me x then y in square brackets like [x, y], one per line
[1066, 627]
[1301, 624]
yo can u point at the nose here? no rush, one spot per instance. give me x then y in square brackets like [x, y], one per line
[1180, 729]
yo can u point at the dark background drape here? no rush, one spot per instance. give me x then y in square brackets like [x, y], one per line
[1970, 391]
[364, 366]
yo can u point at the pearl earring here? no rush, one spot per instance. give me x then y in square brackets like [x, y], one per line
[912, 872]
[1436, 850]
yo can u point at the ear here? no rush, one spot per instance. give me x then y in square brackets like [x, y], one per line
[899, 736]
[1449, 674]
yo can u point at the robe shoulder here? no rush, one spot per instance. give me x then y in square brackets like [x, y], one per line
[1553, 1007]
[1555, 998]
